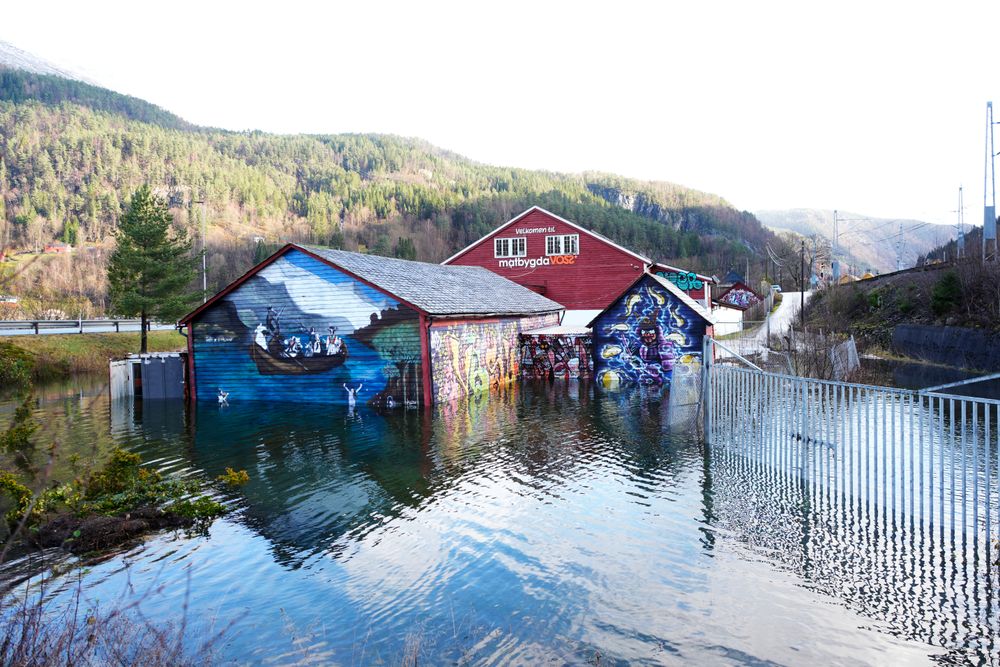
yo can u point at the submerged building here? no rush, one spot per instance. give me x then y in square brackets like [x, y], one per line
[652, 334]
[315, 325]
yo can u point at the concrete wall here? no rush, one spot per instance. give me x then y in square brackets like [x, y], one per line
[953, 346]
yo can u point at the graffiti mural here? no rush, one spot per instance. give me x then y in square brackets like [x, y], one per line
[550, 356]
[299, 330]
[647, 337]
[740, 295]
[685, 280]
[471, 358]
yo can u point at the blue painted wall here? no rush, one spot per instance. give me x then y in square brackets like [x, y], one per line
[247, 351]
[646, 337]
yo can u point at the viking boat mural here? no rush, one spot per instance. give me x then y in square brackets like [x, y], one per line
[270, 361]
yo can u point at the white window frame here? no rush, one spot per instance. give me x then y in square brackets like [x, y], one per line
[562, 244]
[516, 246]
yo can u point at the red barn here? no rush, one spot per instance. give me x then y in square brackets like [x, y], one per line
[559, 259]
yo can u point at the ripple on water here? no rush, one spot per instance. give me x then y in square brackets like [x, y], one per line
[521, 529]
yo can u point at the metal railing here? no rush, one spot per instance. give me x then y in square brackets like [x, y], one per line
[923, 457]
[17, 327]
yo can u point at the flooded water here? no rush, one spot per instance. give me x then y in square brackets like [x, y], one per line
[549, 524]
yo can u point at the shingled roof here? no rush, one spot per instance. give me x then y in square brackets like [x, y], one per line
[437, 290]
[441, 290]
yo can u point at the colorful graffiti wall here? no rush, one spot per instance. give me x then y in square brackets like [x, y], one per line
[647, 337]
[740, 295]
[301, 331]
[471, 358]
[549, 356]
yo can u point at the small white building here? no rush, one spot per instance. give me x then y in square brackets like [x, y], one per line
[728, 318]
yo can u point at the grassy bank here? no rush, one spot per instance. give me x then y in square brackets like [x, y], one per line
[59, 355]
[962, 295]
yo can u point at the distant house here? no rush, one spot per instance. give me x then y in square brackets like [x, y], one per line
[651, 332]
[740, 294]
[314, 325]
[58, 248]
[8, 304]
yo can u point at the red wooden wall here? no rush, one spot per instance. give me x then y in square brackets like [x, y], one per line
[590, 280]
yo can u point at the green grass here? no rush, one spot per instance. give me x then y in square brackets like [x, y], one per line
[60, 355]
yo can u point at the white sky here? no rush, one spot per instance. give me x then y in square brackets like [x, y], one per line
[876, 108]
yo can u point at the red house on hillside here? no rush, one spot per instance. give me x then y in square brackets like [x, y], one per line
[581, 269]
[559, 259]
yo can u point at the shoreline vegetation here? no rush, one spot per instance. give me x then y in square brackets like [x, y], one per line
[30, 358]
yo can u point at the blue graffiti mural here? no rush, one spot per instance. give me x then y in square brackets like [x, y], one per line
[647, 337]
[684, 280]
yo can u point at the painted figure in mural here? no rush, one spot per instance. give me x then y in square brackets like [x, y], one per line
[315, 342]
[272, 322]
[223, 397]
[259, 337]
[293, 347]
[352, 395]
[333, 341]
[655, 352]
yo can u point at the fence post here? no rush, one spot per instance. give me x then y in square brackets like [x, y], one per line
[117, 330]
[706, 387]
[35, 324]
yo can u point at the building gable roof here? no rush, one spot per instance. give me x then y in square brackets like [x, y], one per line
[432, 289]
[681, 295]
[660, 266]
[600, 237]
[740, 286]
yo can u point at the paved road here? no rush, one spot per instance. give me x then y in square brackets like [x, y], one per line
[787, 313]
[781, 319]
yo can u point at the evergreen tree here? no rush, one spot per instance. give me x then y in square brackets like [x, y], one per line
[151, 270]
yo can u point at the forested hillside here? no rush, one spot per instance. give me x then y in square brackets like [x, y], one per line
[71, 153]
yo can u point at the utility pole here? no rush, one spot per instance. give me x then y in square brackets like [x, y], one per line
[899, 248]
[204, 265]
[834, 264]
[990, 189]
[802, 285]
[960, 227]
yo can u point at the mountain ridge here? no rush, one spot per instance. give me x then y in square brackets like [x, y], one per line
[866, 242]
[71, 153]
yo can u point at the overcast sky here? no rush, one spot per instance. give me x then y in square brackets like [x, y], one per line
[875, 108]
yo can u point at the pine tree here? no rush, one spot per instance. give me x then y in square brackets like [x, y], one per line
[151, 270]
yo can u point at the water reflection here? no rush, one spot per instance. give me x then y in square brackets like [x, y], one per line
[551, 522]
[314, 475]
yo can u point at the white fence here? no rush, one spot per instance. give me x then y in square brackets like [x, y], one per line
[926, 458]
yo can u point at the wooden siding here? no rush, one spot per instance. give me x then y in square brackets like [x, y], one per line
[591, 280]
[476, 356]
[310, 303]
[646, 338]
